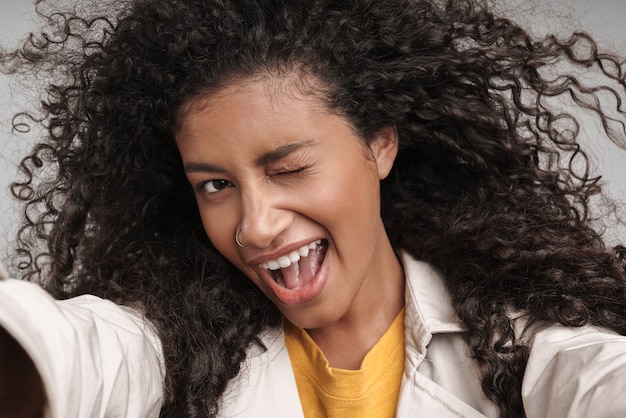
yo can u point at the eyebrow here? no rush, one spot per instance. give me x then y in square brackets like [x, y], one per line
[281, 152]
[269, 157]
[193, 167]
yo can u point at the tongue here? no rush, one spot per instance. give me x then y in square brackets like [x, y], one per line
[301, 273]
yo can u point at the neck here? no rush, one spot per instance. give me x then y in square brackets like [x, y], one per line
[346, 343]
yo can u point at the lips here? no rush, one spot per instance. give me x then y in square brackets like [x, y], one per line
[295, 277]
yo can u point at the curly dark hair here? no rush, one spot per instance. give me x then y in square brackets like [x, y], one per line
[490, 185]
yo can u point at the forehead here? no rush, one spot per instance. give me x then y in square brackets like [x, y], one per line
[254, 116]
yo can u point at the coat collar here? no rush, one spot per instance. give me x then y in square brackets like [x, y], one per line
[428, 304]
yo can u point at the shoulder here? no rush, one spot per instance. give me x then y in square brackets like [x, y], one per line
[575, 372]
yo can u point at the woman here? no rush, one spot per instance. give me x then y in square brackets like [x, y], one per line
[311, 201]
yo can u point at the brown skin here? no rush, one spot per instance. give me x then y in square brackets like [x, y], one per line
[21, 388]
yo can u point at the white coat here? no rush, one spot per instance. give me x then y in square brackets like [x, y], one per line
[101, 360]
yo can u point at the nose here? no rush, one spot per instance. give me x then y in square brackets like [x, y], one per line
[262, 218]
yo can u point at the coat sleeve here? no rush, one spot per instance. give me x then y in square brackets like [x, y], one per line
[576, 373]
[96, 359]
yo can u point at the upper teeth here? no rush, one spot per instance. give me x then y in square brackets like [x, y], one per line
[293, 257]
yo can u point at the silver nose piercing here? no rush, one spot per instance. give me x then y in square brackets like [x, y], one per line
[237, 238]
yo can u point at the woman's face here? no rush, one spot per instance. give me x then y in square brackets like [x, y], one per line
[301, 187]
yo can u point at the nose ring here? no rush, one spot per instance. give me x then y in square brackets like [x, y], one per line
[237, 238]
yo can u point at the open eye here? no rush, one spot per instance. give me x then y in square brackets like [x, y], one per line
[214, 186]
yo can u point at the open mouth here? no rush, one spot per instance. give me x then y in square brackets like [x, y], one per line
[298, 268]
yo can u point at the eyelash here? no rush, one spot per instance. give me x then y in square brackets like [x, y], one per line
[225, 184]
[289, 172]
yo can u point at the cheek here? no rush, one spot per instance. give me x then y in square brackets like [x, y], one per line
[346, 207]
[218, 231]
[354, 193]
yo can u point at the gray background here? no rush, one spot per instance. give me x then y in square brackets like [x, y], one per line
[602, 18]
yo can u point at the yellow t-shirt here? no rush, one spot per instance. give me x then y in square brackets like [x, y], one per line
[371, 391]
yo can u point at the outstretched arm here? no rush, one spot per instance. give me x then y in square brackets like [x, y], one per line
[76, 358]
